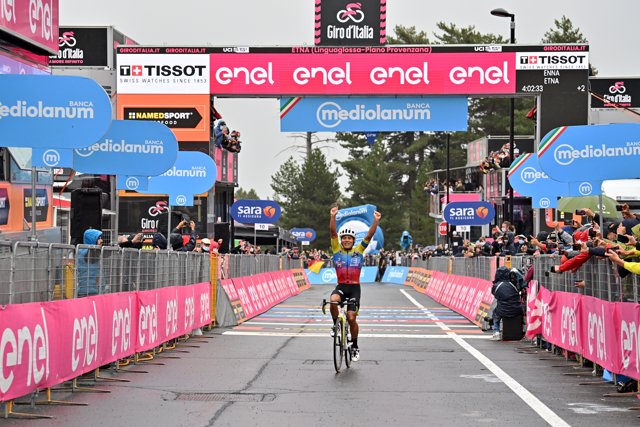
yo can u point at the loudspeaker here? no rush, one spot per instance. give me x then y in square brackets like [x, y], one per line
[222, 230]
[86, 212]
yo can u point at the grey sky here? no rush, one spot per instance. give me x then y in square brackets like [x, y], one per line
[607, 25]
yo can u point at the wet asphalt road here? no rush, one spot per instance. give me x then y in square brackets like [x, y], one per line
[421, 364]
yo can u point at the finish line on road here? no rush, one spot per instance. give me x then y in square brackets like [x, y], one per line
[527, 397]
[326, 335]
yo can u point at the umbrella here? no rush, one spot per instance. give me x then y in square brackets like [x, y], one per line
[572, 204]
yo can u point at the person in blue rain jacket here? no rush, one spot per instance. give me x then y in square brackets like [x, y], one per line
[88, 264]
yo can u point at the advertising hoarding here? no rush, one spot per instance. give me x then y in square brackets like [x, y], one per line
[163, 74]
[591, 153]
[469, 213]
[186, 115]
[52, 111]
[256, 211]
[32, 21]
[373, 114]
[345, 23]
[621, 92]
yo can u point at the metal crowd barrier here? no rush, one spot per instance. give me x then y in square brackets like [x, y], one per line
[601, 278]
[233, 265]
[38, 272]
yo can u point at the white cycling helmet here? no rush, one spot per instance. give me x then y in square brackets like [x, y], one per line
[347, 232]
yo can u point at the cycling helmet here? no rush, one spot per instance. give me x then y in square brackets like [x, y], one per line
[347, 232]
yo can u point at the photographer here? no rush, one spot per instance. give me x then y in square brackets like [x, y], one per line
[175, 238]
[506, 290]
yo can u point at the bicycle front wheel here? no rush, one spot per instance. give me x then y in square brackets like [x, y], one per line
[347, 346]
[338, 344]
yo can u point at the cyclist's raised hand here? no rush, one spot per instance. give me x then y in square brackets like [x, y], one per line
[377, 216]
[334, 211]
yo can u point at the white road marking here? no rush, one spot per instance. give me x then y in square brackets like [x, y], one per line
[527, 397]
[373, 325]
[325, 335]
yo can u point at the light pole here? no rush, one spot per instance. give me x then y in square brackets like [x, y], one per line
[504, 14]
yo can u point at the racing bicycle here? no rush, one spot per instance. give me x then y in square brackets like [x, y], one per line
[342, 335]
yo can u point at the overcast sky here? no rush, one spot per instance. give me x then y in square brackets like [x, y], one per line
[607, 25]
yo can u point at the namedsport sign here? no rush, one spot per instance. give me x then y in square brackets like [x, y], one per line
[256, 211]
[469, 213]
[373, 114]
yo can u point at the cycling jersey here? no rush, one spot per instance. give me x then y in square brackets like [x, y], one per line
[348, 263]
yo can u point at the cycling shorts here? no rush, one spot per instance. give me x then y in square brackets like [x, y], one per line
[348, 292]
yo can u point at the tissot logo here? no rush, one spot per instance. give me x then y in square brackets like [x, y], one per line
[162, 70]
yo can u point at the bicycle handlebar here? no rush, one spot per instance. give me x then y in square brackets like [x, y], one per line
[338, 303]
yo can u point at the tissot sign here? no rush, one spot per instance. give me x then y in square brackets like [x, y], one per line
[350, 23]
[182, 74]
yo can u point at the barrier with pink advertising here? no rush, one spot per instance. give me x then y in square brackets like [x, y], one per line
[469, 296]
[253, 295]
[607, 333]
[47, 343]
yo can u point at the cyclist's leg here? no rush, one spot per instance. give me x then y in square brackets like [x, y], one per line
[354, 305]
[336, 296]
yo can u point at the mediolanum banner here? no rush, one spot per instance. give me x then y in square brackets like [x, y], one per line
[361, 114]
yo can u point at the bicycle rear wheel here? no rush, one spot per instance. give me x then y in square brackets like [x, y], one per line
[338, 345]
[347, 346]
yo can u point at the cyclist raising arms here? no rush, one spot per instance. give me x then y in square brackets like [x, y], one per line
[348, 262]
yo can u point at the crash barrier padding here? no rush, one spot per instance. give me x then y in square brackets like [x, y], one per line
[606, 333]
[327, 276]
[253, 295]
[47, 343]
[395, 275]
[468, 296]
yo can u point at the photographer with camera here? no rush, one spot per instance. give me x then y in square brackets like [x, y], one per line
[507, 291]
[176, 240]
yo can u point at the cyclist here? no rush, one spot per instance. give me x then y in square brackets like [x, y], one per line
[348, 262]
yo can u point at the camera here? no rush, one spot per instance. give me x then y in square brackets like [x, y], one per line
[568, 222]
[581, 212]
[619, 208]
[592, 233]
[622, 238]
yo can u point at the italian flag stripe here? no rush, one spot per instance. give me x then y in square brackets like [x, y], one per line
[550, 139]
[517, 163]
[288, 106]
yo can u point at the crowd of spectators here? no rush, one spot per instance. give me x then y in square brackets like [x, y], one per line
[434, 186]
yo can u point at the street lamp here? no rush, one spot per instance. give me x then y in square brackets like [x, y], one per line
[504, 14]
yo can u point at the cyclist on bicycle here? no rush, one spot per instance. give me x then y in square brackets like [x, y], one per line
[348, 262]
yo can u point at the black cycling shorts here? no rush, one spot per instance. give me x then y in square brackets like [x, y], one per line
[347, 292]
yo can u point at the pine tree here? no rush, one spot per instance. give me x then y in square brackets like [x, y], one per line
[241, 194]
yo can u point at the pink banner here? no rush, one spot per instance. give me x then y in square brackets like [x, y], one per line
[44, 344]
[564, 315]
[34, 21]
[599, 343]
[627, 332]
[362, 74]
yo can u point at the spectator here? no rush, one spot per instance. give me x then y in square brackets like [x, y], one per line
[507, 295]
[159, 241]
[176, 241]
[88, 264]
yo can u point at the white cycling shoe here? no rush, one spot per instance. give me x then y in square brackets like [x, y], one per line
[355, 354]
